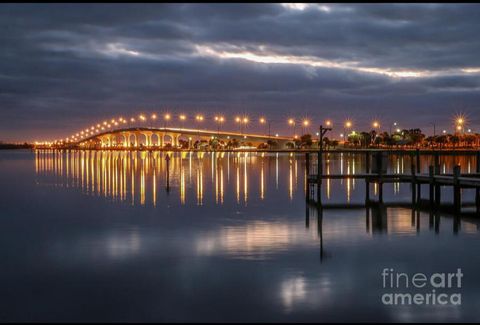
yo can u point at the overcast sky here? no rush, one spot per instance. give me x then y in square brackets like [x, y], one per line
[64, 67]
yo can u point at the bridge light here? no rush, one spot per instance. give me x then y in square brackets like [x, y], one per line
[276, 134]
[103, 128]
[221, 119]
[291, 121]
[376, 124]
[183, 117]
[328, 123]
[245, 120]
[262, 120]
[132, 120]
[109, 126]
[154, 116]
[237, 119]
[199, 118]
[167, 117]
[98, 125]
[306, 122]
[141, 117]
[348, 124]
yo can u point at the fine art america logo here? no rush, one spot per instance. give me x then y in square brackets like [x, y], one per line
[421, 288]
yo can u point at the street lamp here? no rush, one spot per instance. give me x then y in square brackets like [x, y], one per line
[394, 124]
[153, 118]
[347, 125]
[166, 118]
[460, 121]
[264, 121]
[182, 118]
[305, 124]
[219, 120]
[245, 121]
[291, 122]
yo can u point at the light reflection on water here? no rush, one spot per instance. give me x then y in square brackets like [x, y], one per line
[232, 239]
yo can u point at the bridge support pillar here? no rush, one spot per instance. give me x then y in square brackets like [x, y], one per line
[126, 137]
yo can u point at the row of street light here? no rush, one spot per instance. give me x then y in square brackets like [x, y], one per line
[242, 122]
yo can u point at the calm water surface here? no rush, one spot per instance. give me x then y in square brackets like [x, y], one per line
[95, 236]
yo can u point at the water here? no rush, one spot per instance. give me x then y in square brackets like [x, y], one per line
[95, 236]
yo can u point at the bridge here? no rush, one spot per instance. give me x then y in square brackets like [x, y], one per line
[163, 137]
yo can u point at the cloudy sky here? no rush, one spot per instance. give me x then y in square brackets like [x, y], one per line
[64, 67]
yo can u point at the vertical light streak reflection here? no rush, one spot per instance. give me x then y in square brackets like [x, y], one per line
[200, 183]
[276, 171]
[328, 179]
[245, 180]
[262, 182]
[349, 182]
[290, 178]
[182, 182]
[154, 187]
[238, 180]
[142, 182]
[221, 185]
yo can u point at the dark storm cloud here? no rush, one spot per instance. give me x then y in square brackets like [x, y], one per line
[64, 66]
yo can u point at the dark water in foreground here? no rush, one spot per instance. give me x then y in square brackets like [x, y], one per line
[96, 237]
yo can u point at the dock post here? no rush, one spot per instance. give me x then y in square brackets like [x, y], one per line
[430, 174]
[417, 155]
[319, 177]
[307, 164]
[380, 191]
[438, 191]
[414, 183]
[457, 204]
[477, 190]
[320, 164]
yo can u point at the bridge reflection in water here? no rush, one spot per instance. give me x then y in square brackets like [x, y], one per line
[198, 178]
[138, 176]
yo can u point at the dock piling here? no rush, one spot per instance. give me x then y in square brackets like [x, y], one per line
[457, 204]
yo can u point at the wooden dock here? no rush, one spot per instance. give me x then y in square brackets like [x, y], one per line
[376, 166]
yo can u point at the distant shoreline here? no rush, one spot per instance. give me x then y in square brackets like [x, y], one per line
[9, 146]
